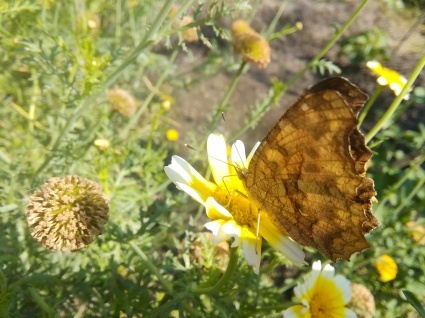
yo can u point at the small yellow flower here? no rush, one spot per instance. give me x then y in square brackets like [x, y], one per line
[388, 77]
[122, 101]
[233, 215]
[167, 102]
[65, 213]
[386, 267]
[321, 295]
[251, 45]
[102, 144]
[88, 21]
[172, 134]
[362, 301]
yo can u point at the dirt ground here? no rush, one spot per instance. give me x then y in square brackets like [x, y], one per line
[292, 54]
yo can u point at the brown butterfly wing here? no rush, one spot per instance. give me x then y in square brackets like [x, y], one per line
[308, 174]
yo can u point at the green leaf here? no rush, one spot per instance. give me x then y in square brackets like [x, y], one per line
[414, 302]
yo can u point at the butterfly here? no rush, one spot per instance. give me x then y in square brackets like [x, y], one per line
[309, 173]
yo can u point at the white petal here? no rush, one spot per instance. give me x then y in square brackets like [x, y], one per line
[238, 155]
[396, 88]
[328, 271]
[382, 81]
[252, 253]
[297, 311]
[180, 171]
[281, 242]
[349, 313]
[373, 64]
[216, 210]
[317, 266]
[190, 191]
[218, 234]
[309, 281]
[251, 154]
[234, 231]
[217, 157]
[344, 286]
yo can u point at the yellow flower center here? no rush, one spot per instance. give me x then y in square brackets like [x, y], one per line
[326, 299]
[244, 211]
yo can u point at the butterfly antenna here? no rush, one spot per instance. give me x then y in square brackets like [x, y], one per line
[190, 147]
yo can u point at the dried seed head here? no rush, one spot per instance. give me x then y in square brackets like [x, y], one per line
[362, 301]
[122, 101]
[64, 214]
[191, 34]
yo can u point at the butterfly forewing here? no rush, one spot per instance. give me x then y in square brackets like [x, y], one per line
[308, 174]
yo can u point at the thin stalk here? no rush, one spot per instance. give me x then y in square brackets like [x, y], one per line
[231, 266]
[330, 44]
[39, 300]
[168, 29]
[146, 41]
[369, 104]
[223, 106]
[275, 20]
[399, 183]
[390, 111]
[165, 283]
[135, 119]
[117, 23]
[406, 200]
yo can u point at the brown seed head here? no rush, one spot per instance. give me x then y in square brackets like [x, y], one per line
[122, 101]
[362, 301]
[65, 213]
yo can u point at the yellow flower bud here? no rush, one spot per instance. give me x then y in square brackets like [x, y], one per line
[251, 45]
[386, 267]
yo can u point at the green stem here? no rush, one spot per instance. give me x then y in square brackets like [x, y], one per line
[275, 20]
[146, 41]
[398, 184]
[231, 266]
[405, 201]
[223, 106]
[135, 119]
[330, 44]
[39, 300]
[152, 268]
[369, 104]
[388, 114]
[168, 25]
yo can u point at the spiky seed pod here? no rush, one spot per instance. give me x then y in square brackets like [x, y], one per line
[65, 213]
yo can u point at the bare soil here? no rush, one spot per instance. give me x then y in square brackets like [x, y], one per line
[290, 55]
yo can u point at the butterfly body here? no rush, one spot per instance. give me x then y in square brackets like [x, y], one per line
[308, 174]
